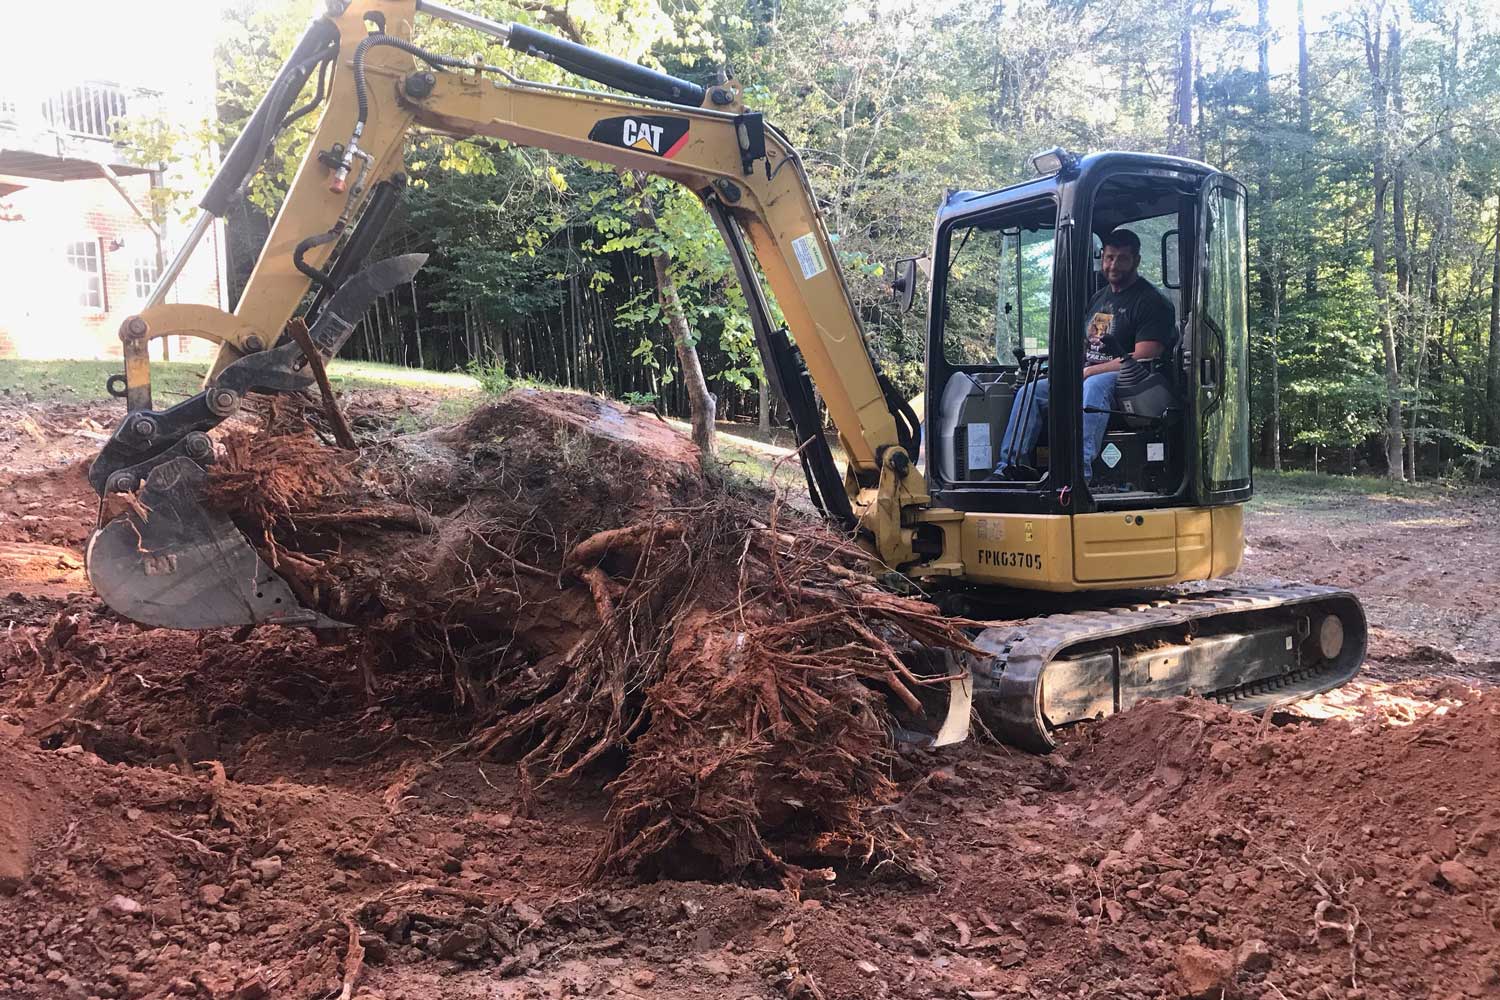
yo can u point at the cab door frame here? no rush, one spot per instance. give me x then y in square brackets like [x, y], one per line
[1219, 352]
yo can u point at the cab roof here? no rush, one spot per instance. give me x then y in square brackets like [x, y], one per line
[1141, 171]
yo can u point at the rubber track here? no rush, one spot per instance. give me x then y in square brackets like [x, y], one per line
[1007, 681]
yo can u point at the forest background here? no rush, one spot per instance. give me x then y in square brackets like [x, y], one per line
[1369, 140]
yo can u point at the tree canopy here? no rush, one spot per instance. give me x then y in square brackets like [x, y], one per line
[1368, 140]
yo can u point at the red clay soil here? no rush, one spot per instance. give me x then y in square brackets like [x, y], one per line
[254, 817]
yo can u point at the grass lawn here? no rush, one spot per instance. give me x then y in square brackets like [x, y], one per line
[1297, 488]
[82, 381]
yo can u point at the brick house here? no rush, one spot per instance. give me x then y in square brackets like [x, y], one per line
[80, 249]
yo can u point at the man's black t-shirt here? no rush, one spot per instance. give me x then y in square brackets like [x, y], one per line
[1115, 321]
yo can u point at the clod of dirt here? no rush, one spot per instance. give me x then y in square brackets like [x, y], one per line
[266, 869]
[15, 836]
[122, 906]
[1432, 654]
[1253, 956]
[1458, 876]
[1202, 972]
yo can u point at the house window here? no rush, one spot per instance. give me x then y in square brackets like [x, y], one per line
[143, 275]
[86, 258]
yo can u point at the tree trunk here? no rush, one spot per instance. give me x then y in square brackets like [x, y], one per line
[1276, 384]
[1492, 373]
[701, 403]
[1269, 239]
[765, 405]
[1304, 123]
[1181, 124]
[1402, 312]
[1380, 96]
[1263, 56]
[416, 318]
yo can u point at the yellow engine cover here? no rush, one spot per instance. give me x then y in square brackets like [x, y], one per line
[1105, 551]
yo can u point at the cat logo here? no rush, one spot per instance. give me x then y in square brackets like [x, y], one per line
[659, 135]
[642, 135]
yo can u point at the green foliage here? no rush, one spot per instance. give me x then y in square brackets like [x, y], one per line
[541, 265]
[492, 378]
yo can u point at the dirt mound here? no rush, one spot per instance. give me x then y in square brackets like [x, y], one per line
[1179, 850]
[1365, 855]
[129, 882]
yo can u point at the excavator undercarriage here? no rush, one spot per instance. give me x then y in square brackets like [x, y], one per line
[1248, 648]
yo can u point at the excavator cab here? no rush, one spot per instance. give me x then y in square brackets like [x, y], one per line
[1012, 273]
[1097, 554]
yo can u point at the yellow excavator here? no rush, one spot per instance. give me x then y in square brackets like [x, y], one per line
[1100, 566]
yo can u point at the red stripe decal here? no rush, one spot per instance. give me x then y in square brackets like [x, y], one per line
[676, 147]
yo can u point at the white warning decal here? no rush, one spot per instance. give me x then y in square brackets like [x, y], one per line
[979, 447]
[809, 256]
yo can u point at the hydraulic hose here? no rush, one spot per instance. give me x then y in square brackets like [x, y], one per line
[361, 91]
[320, 277]
[317, 97]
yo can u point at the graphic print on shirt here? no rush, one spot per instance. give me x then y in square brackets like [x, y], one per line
[1099, 328]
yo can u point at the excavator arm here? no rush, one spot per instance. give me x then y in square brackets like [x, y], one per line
[186, 567]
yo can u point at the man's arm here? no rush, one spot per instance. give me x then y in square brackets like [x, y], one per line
[1145, 350]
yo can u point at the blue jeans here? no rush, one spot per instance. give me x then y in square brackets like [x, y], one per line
[1021, 436]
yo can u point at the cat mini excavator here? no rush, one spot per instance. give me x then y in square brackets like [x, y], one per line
[1101, 577]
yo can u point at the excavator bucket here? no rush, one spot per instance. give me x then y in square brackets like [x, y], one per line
[172, 563]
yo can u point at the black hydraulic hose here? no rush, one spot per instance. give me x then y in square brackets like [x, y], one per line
[812, 484]
[361, 92]
[319, 277]
[908, 427]
[382, 203]
[317, 97]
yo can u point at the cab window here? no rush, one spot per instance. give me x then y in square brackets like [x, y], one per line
[998, 293]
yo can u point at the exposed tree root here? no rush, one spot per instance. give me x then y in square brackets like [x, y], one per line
[585, 606]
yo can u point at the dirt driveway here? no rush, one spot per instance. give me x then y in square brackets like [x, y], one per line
[250, 817]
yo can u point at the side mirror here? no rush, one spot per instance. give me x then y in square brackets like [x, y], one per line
[904, 285]
[1171, 260]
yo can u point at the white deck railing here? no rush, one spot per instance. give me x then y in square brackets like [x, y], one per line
[81, 111]
[88, 110]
